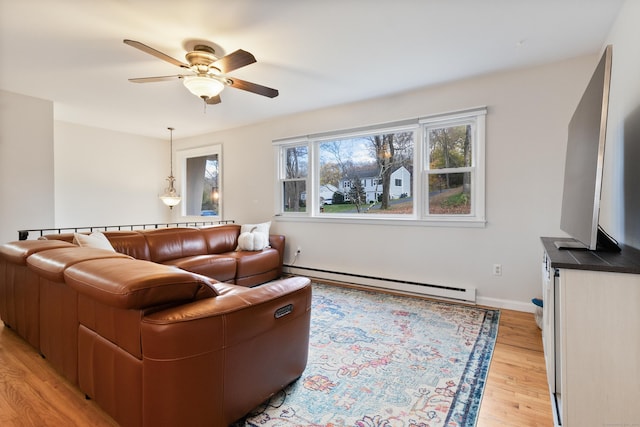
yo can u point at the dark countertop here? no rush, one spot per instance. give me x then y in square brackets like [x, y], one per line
[625, 261]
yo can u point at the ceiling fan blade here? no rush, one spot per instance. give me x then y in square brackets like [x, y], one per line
[214, 100]
[234, 60]
[155, 79]
[156, 53]
[252, 87]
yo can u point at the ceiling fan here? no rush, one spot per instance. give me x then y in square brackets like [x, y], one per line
[206, 76]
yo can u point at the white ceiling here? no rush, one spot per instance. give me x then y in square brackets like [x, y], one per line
[316, 53]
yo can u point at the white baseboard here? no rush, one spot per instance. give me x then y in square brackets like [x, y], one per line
[506, 304]
[467, 295]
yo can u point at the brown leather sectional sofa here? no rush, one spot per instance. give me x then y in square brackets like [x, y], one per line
[210, 251]
[156, 345]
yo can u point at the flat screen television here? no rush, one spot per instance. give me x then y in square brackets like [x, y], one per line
[584, 165]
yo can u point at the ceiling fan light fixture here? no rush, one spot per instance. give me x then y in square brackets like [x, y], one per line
[203, 87]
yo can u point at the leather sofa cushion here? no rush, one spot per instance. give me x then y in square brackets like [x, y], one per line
[251, 263]
[219, 267]
[51, 264]
[18, 252]
[136, 284]
[171, 243]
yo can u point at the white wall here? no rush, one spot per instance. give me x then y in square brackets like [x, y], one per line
[528, 113]
[96, 176]
[26, 169]
[620, 210]
[105, 177]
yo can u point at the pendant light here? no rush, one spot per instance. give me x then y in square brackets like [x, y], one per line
[170, 196]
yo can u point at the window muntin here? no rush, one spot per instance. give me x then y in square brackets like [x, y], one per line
[439, 162]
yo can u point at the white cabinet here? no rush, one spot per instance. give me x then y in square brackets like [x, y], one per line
[591, 335]
[549, 323]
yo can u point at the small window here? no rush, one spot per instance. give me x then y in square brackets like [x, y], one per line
[454, 181]
[200, 172]
[294, 178]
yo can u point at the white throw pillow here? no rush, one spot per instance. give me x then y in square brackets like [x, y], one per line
[252, 241]
[262, 227]
[258, 242]
[94, 240]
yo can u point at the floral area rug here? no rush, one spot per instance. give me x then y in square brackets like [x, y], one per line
[379, 360]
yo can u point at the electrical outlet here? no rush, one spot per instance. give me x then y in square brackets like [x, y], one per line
[497, 269]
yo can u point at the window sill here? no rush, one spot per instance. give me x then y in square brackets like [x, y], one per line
[412, 222]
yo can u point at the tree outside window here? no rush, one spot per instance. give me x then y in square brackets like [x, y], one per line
[449, 164]
[294, 185]
[360, 170]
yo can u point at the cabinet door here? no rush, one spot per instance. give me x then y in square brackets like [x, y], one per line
[600, 345]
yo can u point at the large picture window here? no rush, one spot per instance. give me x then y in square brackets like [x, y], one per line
[365, 174]
[427, 169]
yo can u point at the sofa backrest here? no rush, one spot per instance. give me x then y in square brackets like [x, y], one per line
[221, 239]
[52, 263]
[131, 243]
[65, 237]
[162, 245]
[166, 244]
[18, 252]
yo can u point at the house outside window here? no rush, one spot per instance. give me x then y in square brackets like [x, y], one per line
[423, 170]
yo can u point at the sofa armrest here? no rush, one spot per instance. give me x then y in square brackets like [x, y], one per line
[277, 241]
[238, 301]
[225, 355]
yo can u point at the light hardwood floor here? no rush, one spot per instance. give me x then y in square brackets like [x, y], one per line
[516, 394]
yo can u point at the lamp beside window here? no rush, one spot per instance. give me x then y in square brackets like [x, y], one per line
[170, 197]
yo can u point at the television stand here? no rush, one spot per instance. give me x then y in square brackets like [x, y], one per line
[591, 335]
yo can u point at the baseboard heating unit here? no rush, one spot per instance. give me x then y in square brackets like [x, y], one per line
[402, 286]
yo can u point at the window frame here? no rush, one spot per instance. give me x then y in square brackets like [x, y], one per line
[420, 214]
[281, 162]
[476, 118]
